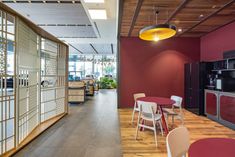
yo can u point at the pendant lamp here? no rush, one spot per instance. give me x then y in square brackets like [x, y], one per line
[157, 32]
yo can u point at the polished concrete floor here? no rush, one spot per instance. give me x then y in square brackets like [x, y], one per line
[90, 130]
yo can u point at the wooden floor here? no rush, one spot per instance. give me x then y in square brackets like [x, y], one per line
[199, 127]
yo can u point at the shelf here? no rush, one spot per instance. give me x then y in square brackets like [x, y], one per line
[225, 70]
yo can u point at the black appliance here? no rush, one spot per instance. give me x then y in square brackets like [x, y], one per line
[228, 81]
[195, 83]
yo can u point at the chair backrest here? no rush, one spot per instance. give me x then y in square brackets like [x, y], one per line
[178, 100]
[147, 107]
[138, 95]
[177, 142]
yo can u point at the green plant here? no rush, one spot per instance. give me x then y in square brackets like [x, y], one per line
[107, 83]
[114, 84]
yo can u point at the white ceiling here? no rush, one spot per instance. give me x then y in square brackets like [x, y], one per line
[87, 49]
[71, 31]
[71, 23]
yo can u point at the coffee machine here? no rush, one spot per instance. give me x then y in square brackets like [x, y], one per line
[211, 83]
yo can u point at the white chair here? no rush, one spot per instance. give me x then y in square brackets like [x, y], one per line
[172, 112]
[148, 113]
[136, 107]
[177, 142]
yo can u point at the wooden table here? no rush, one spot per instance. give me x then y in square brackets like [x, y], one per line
[161, 102]
[212, 147]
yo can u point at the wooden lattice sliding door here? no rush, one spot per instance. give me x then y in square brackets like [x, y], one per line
[7, 79]
[61, 81]
[53, 79]
[33, 74]
[28, 80]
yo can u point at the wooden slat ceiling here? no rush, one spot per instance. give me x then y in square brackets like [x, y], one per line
[194, 17]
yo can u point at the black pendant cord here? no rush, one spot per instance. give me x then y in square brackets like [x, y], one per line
[156, 13]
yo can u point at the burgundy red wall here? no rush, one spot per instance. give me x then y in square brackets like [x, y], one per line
[154, 68]
[215, 43]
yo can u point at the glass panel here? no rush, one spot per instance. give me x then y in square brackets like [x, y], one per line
[4, 21]
[3, 146]
[12, 110]
[3, 130]
[10, 37]
[10, 143]
[10, 128]
[10, 24]
[0, 20]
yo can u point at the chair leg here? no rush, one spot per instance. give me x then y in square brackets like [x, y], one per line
[133, 116]
[166, 119]
[155, 133]
[143, 122]
[160, 124]
[173, 118]
[182, 120]
[137, 128]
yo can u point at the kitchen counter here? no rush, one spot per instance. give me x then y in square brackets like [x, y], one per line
[220, 91]
[220, 106]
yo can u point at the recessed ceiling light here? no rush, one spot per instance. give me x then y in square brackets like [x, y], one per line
[180, 30]
[98, 14]
[213, 6]
[94, 1]
[201, 16]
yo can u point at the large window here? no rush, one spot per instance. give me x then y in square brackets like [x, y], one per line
[96, 65]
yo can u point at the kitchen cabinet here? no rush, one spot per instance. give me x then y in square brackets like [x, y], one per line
[220, 106]
[227, 108]
[211, 100]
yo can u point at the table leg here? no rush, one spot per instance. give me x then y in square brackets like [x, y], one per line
[164, 125]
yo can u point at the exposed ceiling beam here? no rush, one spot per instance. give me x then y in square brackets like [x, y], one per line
[75, 48]
[207, 17]
[227, 23]
[112, 49]
[134, 18]
[181, 6]
[94, 49]
[120, 14]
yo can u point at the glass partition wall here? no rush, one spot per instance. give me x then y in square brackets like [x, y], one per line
[33, 74]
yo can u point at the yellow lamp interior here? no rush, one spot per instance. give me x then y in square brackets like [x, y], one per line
[156, 34]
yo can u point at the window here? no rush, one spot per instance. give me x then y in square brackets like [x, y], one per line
[96, 65]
